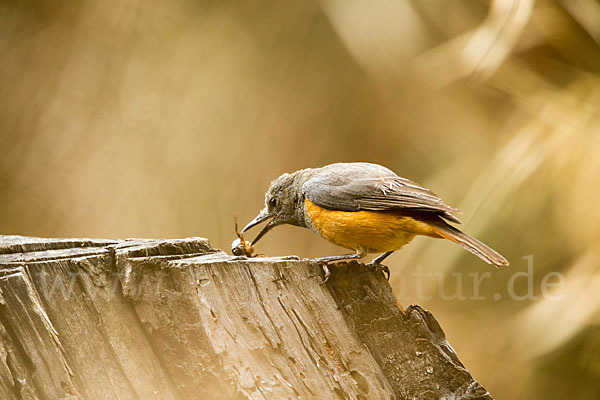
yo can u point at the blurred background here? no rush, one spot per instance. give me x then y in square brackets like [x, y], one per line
[166, 118]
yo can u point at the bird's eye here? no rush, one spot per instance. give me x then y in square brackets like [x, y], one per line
[272, 202]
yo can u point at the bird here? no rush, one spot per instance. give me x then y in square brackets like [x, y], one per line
[365, 208]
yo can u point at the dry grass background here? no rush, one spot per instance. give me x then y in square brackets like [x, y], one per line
[165, 118]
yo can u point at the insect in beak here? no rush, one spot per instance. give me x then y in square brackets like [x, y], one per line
[241, 247]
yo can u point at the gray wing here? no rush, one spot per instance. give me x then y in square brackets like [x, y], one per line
[365, 186]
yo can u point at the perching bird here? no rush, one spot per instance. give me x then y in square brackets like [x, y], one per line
[363, 207]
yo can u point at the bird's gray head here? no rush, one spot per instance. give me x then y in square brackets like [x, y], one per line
[283, 204]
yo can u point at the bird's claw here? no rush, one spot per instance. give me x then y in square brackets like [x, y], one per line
[327, 273]
[380, 267]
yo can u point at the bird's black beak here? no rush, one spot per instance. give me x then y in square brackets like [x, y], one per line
[261, 217]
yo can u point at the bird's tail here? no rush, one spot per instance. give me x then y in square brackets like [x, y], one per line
[469, 243]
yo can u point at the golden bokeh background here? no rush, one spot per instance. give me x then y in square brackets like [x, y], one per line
[166, 118]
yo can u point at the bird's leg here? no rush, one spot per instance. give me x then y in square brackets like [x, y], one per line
[382, 257]
[342, 257]
[377, 265]
[324, 260]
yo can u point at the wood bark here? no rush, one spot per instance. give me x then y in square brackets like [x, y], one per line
[177, 319]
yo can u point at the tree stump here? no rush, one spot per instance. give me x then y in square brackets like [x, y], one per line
[177, 319]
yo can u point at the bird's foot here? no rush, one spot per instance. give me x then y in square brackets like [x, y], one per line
[326, 272]
[374, 267]
[324, 261]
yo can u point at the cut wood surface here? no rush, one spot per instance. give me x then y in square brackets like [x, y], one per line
[177, 319]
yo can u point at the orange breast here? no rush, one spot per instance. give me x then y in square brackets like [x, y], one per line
[369, 231]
